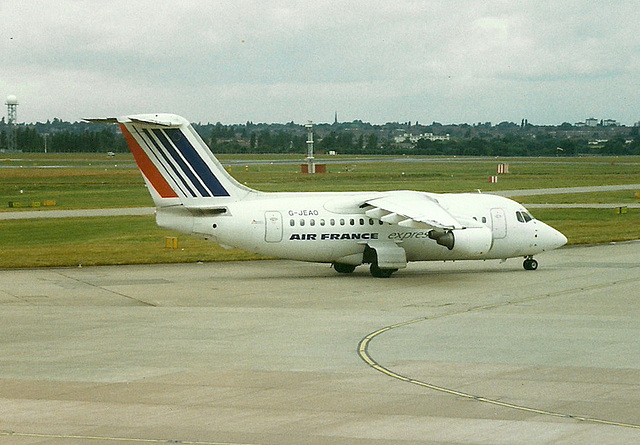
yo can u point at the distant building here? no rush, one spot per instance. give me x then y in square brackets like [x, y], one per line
[415, 138]
[593, 122]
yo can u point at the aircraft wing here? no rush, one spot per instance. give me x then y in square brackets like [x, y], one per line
[412, 210]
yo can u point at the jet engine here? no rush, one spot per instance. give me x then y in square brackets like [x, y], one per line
[471, 241]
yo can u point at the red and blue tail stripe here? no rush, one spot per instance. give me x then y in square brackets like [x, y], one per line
[148, 167]
[177, 165]
[198, 172]
[162, 159]
[170, 159]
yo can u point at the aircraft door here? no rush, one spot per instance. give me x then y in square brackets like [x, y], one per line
[272, 227]
[498, 224]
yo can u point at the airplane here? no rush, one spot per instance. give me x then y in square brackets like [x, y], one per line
[194, 194]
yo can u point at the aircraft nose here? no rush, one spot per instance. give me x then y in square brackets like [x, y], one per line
[551, 238]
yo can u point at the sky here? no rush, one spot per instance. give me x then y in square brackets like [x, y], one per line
[448, 61]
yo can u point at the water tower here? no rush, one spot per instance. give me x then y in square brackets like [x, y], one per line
[12, 115]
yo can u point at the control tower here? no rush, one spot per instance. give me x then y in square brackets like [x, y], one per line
[12, 116]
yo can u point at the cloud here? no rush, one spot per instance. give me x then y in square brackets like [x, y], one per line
[449, 61]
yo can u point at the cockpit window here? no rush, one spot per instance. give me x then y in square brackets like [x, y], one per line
[523, 217]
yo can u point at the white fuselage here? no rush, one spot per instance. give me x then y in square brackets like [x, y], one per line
[331, 227]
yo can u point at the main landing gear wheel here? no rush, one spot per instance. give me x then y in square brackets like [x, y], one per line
[380, 273]
[344, 268]
[530, 264]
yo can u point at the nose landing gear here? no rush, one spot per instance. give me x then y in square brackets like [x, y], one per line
[530, 264]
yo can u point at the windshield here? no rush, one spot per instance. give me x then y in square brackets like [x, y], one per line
[524, 217]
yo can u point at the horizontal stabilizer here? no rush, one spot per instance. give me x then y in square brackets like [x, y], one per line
[167, 123]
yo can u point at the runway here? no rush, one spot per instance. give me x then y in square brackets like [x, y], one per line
[280, 352]
[83, 213]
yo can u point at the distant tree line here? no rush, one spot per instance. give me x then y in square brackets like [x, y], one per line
[357, 137]
[482, 139]
[61, 137]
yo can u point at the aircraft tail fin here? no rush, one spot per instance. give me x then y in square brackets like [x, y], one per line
[175, 162]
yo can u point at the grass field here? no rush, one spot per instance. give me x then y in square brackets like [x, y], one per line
[96, 241]
[80, 181]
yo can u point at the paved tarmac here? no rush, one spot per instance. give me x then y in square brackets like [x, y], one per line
[280, 352]
[77, 213]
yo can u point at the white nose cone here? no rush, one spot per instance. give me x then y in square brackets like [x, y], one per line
[549, 238]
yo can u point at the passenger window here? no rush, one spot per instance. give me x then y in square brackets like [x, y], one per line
[484, 220]
[341, 221]
[352, 222]
[312, 222]
[361, 221]
[322, 222]
[302, 223]
[292, 222]
[332, 222]
[370, 221]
